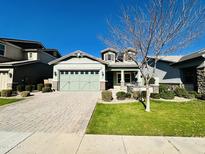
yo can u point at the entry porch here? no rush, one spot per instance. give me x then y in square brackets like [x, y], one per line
[121, 78]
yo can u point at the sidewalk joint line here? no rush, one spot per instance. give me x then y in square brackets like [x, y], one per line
[173, 145]
[19, 143]
[123, 142]
[80, 144]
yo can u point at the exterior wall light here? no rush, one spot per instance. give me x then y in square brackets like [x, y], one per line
[55, 73]
[10, 75]
[103, 73]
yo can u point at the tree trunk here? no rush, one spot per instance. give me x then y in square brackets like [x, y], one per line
[147, 98]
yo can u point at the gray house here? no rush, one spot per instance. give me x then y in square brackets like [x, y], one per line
[80, 71]
[192, 70]
[24, 62]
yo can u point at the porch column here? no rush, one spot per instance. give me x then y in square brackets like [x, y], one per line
[139, 79]
[122, 78]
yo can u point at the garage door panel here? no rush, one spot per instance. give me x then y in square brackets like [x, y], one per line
[79, 81]
[3, 79]
[94, 86]
[84, 86]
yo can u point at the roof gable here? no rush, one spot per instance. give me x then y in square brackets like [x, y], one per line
[77, 53]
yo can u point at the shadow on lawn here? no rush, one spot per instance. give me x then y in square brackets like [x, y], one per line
[142, 101]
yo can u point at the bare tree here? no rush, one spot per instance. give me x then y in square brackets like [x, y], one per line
[156, 28]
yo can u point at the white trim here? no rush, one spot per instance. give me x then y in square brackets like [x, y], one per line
[4, 69]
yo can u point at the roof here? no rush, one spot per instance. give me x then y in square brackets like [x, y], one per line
[18, 63]
[109, 49]
[130, 50]
[25, 44]
[200, 53]
[75, 54]
[172, 59]
[49, 51]
[123, 64]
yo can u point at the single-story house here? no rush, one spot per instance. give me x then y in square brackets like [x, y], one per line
[24, 62]
[80, 71]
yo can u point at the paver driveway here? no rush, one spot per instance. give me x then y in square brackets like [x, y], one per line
[58, 112]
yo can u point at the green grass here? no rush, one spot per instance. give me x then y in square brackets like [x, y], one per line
[7, 101]
[165, 119]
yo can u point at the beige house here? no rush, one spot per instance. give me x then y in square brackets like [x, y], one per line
[80, 71]
[24, 62]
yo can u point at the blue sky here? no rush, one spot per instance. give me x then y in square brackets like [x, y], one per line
[67, 25]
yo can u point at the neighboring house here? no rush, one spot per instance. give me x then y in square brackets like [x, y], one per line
[24, 62]
[80, 71]
[192, 71]
[165, 73]
[187, 71]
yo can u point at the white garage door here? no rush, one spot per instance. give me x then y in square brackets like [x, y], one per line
[3, 79]
[79, 80]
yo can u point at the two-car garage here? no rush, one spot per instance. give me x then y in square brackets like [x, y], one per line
[78, 71]
[79, 80]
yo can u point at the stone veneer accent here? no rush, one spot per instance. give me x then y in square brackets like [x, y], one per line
[201, 80]
[55, 85]
[102, 85]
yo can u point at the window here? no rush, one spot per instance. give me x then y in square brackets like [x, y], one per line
[30, 54]
[118, 78]
[2, 49]
[109, 57]
[127, 78]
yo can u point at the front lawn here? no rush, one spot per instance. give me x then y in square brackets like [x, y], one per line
[7, 101]
[165, 119]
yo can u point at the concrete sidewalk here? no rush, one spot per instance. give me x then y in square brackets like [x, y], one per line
[58, 143]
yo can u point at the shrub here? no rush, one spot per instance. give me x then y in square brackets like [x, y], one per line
[25, 93]
[128, 95]
[163, 88]
[136, 94]
[33, 87]
[0, 93]
[106, 95]
[193, 93]
[39, 86]
[28, 88]
[46, 89]
[48, 85]
[200, 96]
[19, 88]
[190, 96]
[167, 95]
[181, 92]
[6, 93]
[155, 95]
[143, 94]
[121, 95]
